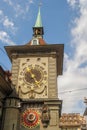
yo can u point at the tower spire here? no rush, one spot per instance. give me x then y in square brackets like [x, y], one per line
[38, 27]
[38, 20]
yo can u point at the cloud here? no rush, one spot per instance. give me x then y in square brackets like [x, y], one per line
[9, 2]
[31, 1]
[73, 83]
[72, 3]
[20, 8]
[5, 38]
[7, 23]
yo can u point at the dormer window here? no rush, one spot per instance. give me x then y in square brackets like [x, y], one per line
[35, 42]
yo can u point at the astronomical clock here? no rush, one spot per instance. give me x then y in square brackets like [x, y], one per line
[33, 77]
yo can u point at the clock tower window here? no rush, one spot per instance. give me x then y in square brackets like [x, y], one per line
[35, 42]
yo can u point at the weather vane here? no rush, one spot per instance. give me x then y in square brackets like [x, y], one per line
[40, 3]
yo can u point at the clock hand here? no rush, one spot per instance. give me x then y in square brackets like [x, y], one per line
[33, 76]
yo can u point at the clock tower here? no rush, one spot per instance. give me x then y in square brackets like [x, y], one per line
[34, 102]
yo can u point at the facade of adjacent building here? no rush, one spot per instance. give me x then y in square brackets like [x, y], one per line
[85, 112]
[5, 89]
[72, 121]
[30, 101]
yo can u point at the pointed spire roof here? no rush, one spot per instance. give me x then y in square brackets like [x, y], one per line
[38, 20]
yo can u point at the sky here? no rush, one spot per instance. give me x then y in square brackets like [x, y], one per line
[64, 22]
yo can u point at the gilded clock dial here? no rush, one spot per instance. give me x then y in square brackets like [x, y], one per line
[33, 75]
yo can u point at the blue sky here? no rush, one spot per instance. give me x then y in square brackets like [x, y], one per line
[64, 21]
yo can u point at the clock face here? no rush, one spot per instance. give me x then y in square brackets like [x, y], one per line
[33, 77]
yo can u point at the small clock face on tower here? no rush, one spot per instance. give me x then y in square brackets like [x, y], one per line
[33, 76]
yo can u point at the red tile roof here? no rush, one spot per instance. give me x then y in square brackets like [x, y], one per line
[41, 42]
[71, 119]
